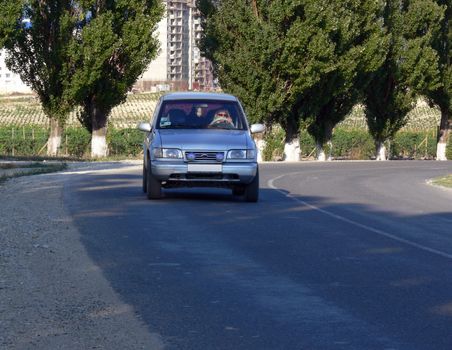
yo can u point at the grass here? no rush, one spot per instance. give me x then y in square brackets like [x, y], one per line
[445, 181]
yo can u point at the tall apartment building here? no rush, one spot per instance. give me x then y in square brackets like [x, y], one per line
[179, 65]
[201, 67]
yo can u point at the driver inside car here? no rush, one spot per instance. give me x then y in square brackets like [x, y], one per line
[222, 119]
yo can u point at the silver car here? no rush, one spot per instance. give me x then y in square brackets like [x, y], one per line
[200, 139]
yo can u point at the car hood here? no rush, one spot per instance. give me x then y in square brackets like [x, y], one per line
[205, 139]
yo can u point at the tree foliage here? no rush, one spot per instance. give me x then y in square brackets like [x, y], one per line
[11, 14]
[356, 45]
[113, 45]
[409, 68]
[37, 51]
[244, 46]
[442, 95]
[295, 60]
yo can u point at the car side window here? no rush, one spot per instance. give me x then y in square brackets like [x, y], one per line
[156, 111]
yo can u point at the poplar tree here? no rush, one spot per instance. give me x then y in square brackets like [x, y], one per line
[442, 96]
[113, 45]
[355, 46]
[245, 46]
[37, 48]
[245, 40]
[410, 67]
[294, 61]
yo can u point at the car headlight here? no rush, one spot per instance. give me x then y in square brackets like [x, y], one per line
[168, 153]
[241, 154]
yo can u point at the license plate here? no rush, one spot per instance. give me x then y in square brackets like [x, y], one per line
[205, 168]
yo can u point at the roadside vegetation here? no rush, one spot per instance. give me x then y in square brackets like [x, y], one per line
[79, 55]
[306, 64]
[24, 132]
[304, 68]
[445, 181]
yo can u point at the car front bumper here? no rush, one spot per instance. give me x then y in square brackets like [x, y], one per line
[229, 173]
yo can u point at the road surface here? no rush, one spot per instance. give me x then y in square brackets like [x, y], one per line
[341, 255]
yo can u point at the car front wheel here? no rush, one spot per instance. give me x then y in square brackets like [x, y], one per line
[252, 189]
[153, 186]
[145, 185]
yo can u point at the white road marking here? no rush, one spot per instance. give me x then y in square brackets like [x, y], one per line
[271, 184]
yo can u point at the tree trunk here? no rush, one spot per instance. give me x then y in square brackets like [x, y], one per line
[443, 136]
[292, 150]
[321, 154]
[292, 143]
[54, 141]
[99, 147]
[381, 151]
[260, 145]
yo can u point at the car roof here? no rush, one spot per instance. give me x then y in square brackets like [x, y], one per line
[198, 95]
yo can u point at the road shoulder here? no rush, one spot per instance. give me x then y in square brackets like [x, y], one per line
[52, 296]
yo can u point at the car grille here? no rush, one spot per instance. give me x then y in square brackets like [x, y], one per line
[204, 156]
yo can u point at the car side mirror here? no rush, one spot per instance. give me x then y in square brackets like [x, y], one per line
[257, 128]
[146, 127]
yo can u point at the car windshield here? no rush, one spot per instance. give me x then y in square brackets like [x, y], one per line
[201, 114]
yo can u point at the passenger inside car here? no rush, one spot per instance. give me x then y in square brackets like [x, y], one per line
[198, 117]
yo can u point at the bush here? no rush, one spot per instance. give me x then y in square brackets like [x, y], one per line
[347, 143]
[357, 144]
[307, 144]
[352, 144]
[125, 142]
[21, 141]
[274, 143]
[449, 148]
[76, 142]
[414, 144]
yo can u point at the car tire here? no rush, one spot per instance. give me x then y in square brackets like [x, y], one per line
[145, 184]
[252, 189]
[153, 186]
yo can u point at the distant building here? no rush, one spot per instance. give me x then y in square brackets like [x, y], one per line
[10, 83]
[179, 65]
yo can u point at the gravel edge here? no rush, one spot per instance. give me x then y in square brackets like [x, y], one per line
[52, 295]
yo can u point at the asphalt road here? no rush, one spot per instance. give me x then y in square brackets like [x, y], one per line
[353, 255]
